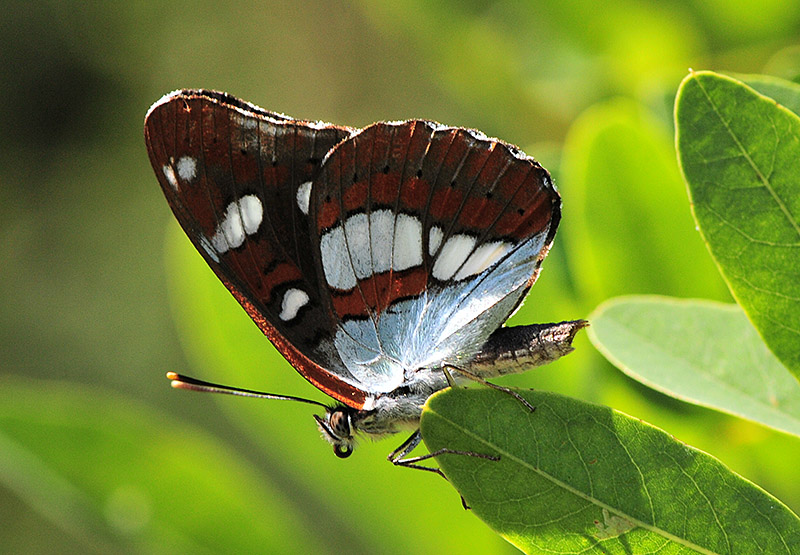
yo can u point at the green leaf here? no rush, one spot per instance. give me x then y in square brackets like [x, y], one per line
[576, 478]
[782, 91]
[740, 156]
[118, 477]
[702, 352]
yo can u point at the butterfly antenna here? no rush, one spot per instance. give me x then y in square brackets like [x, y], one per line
[180, 381]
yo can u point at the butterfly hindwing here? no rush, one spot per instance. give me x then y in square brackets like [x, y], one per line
[238, 179]
[427, 237]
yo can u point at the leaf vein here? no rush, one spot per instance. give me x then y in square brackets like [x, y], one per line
[639, 523]
[789, 216]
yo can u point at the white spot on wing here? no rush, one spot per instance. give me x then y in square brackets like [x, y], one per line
[241, 218]
[187, 168]
[373, 245]
[169, 173]
[381, 229]
[357, 232]
[335, 260]
[483, 257]
[407, 242]
[452, 256]
[293, 300]
[304, 197]
[434, 239]
[252, 212]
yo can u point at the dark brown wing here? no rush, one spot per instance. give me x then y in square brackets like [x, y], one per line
[238, 179]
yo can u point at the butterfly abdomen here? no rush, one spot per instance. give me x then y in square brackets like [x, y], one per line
[516, 349]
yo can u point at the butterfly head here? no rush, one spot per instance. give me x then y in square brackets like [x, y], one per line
[337, 429]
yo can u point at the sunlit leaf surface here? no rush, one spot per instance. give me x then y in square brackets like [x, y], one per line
[580, 478]
[740, 155]
[703, 352]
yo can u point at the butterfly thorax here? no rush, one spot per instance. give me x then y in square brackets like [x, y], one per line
[390, 413]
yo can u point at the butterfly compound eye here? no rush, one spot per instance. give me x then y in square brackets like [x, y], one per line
[342, 451]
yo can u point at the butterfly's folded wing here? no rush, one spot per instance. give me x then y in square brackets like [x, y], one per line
[426, 239]
[238, 180]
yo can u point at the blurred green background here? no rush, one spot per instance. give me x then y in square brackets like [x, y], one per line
[101, 294]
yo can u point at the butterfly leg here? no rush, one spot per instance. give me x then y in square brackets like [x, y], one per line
[397, 458]
[451, 381]
[477, 378]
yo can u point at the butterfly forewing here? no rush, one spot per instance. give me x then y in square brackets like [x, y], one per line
[427, 238]
[238, 179]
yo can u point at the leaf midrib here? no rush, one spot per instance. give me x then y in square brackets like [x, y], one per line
[746, 154]
[555, 481]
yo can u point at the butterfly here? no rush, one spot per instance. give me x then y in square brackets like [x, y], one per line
[381, 262]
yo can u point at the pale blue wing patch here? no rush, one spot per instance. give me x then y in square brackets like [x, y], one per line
[452, 324]
[444, 326]
[366, 358]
